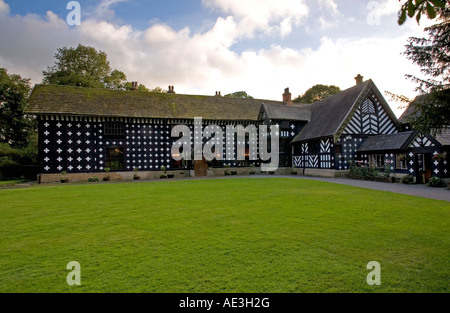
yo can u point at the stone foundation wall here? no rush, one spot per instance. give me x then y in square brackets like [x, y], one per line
[114, 176]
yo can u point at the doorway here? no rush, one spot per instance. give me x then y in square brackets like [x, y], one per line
[201, 168]
[423, 169]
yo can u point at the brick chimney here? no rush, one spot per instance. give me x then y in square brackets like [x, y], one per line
[359, 79]
[287, 97]
[134, 85]
[171, 89]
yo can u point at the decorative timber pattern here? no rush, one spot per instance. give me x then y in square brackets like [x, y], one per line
[421, 141]
[317, 158]
[370, 119]
[348, 151]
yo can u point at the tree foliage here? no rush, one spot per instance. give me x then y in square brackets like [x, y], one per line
[239, 94]
[418, 8]
[15, 127]
[317, 93]
[86, 67]
[432, 55]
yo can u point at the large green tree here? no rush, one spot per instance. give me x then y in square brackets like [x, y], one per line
[15, 127]
[432, 55]
[83, 66]
[317, 93]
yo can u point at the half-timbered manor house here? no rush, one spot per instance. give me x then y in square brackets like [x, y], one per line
[84, 131]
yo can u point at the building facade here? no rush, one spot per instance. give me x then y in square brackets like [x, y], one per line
[83, 130]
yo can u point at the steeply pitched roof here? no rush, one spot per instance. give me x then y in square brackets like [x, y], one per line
[410, 111]
[331, 115]
[79, 101]
[328, 114]
[297, 112]
[444, 137]
[396, 141]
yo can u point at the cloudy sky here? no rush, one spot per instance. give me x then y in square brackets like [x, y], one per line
[203, 46]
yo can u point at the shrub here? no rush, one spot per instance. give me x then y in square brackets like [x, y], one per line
[435, 182]
[364, 172]
[136, 176]
[227, 171]
[408, 179]
[387, 168]
[64, 178]
[252, 170]
[93, 180]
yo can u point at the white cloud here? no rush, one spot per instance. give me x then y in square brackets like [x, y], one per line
[104, 8]
[263, 16]
[4, 7]
[330, 17]
[204, 62]
[330, 6]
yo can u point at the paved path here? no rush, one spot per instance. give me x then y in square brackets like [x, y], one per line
[412, 190]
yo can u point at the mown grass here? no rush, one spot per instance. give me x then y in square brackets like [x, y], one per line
[243, 235]
[11, 183]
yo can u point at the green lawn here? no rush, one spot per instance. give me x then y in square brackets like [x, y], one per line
[231, 235]
[10, 183]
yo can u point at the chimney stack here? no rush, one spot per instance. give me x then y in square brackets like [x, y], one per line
[134, 85]
[171, 89]
[287, 97]
[359, 79]
[218, 94]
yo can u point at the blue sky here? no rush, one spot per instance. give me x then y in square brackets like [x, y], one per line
[203, 46]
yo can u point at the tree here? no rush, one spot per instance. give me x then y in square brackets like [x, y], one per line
[116, 80]
[317, 93]
[156, 90]
[239, 94]
[83, 66]
[15, 127]
[418, 8]
[432, 55]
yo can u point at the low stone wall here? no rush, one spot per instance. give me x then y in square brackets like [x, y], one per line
[318, 172]
[149, 175]
[246, 171]
[114, 176]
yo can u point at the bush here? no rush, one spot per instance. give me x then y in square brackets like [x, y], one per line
[227, 171]
[15, 163]
[363, 172]
[93, 179]
[435, 182]
[408, 179]
[64, 178]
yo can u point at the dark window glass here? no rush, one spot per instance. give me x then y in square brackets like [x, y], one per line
[284, 125]
[114, 130]
[115, 158]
